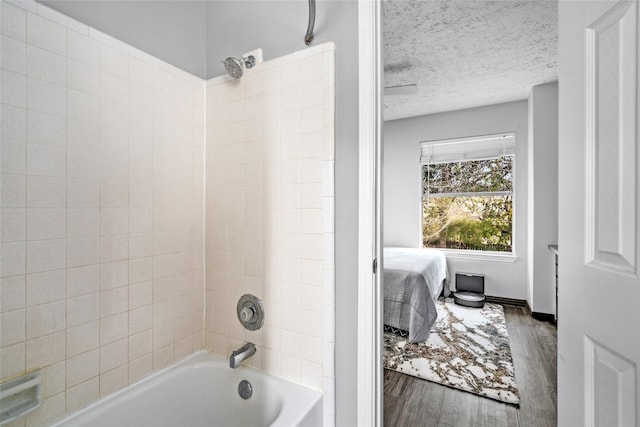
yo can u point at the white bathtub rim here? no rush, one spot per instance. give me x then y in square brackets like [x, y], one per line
[201, 354]
[286, 418]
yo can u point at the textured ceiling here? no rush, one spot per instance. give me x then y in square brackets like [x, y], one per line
[464, 54]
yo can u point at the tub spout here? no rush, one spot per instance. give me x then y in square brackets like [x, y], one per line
[243, 353]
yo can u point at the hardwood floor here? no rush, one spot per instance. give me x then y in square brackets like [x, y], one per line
[413, 402]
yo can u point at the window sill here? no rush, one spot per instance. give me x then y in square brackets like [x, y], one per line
[480, 255]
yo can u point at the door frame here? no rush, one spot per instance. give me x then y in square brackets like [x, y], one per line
[369, 347]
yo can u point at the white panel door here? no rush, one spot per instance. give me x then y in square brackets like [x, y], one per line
[599, 286]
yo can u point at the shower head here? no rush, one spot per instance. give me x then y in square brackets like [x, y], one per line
[235, 67]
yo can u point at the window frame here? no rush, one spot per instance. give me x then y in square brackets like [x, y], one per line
[471, 253]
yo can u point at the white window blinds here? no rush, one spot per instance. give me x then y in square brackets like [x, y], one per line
[462, 149]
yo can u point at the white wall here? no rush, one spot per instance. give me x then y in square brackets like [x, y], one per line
[542, 196]
[401, 185]
[269, 215]
[102, 213]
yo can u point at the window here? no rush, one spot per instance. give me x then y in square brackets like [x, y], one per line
[467, 193]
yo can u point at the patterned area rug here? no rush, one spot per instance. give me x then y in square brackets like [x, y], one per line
[468, 349]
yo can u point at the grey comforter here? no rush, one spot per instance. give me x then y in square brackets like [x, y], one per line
[412, 281]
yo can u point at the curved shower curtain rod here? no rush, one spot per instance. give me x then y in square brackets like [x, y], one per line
[308, 38]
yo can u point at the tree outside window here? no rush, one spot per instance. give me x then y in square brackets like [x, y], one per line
[468, 204]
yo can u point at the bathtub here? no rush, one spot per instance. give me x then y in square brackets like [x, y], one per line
[202, 391]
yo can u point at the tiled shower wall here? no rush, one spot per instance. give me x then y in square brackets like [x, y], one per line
[102, 210]
[269, 215]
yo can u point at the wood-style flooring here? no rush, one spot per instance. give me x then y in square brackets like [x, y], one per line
[413, 402]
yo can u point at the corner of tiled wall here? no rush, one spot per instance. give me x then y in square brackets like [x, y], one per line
[270, 215]
[103, 219]
[102, 210]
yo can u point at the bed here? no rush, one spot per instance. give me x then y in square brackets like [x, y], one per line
[412, 281]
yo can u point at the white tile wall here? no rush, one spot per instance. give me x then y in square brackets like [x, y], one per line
[101, 208]
[102, 219]
[269, 215]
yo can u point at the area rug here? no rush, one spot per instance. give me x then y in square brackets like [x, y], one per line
[468, 349]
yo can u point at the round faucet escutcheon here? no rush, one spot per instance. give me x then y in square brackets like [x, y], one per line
[250, 312]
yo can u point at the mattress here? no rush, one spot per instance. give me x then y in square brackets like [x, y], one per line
[412, 281]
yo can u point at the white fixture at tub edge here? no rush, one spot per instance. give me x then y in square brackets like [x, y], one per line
[20, 396]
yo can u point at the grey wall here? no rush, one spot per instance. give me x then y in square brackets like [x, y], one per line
[280, 24]
[401, 185]
[543, 196]
[196, 35]
[174, 31]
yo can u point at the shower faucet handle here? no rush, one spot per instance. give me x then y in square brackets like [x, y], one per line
[247, 313]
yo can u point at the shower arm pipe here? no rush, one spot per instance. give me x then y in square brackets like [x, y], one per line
[308, 38]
